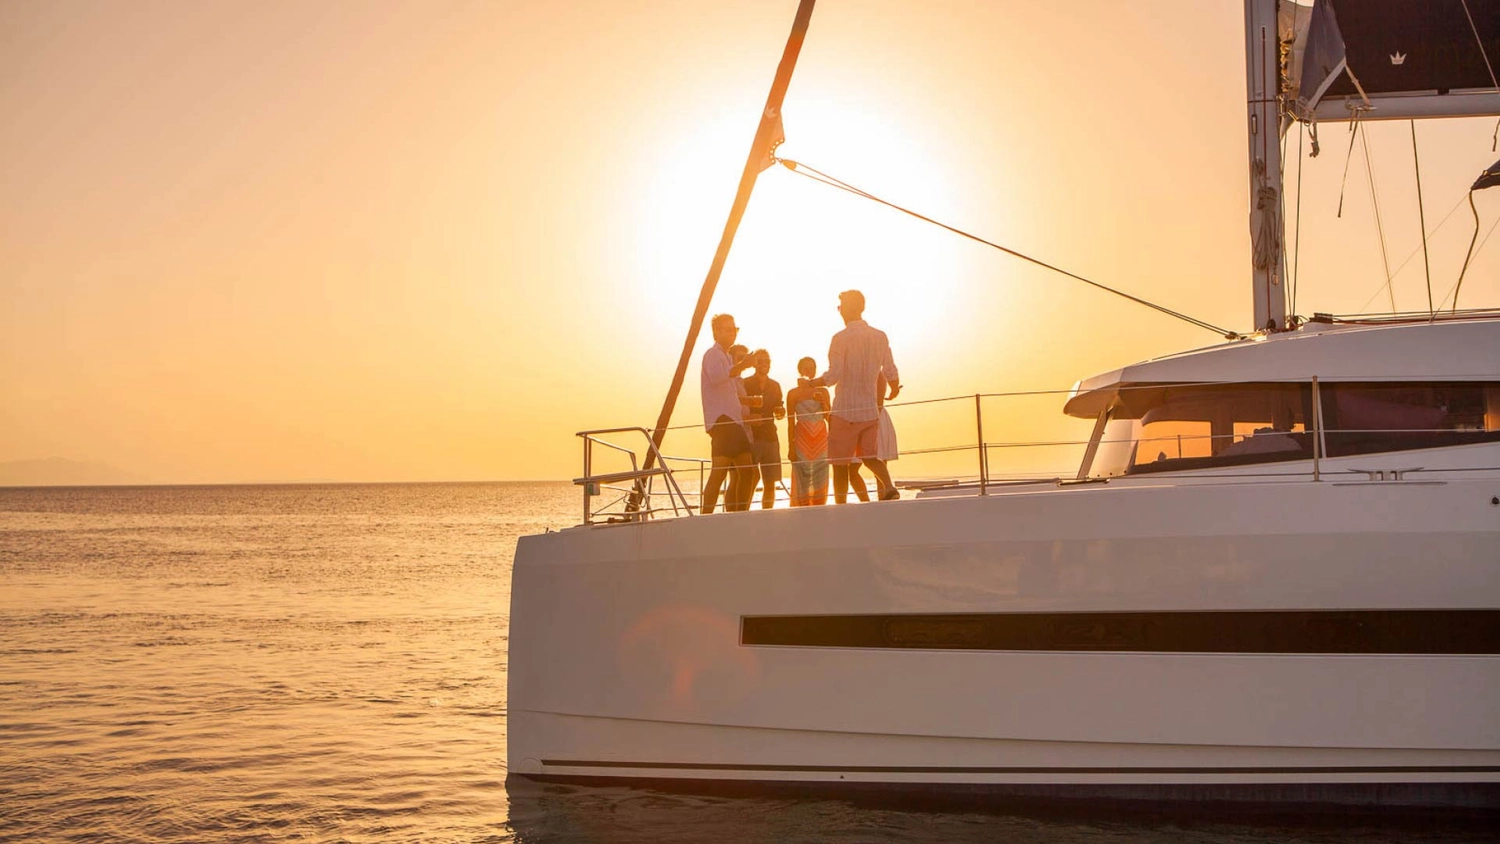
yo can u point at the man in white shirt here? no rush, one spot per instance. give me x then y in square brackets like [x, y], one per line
[724, 420]
[858, 358]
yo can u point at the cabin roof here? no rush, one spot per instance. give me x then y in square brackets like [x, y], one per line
[1445, 350]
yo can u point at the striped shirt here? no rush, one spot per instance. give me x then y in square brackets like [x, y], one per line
[857, 358]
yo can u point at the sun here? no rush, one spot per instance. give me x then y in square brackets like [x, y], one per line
[800, 242]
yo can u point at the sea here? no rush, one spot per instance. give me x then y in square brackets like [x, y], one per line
[319, 663]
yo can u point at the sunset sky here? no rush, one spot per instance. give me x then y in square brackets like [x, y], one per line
[392, 241]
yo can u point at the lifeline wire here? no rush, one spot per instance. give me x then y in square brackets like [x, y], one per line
[823, 178]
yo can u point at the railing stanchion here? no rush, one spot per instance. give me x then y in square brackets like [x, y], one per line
[587, 473]
[1317, 435]
[983, 456]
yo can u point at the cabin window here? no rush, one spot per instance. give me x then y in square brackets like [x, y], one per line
[1173, 428]
[1367, 418]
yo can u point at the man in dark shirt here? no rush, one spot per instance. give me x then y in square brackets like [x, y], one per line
[765, 447]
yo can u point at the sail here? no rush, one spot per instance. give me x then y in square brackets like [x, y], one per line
[1395, 59]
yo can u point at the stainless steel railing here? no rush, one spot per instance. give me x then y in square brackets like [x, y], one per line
[636, 494]
[632, 494]
[639, 493]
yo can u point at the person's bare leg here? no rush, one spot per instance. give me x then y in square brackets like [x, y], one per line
[840, 483]
[751, 477]
[732, 490]
[741, 485]
[857, 481]
[768, 496]
[882, 475]
[710, 492]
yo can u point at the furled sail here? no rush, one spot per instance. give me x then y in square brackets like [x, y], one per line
[1395, 59]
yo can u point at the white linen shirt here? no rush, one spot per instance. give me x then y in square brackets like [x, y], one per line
[721, 390]
[857, 358]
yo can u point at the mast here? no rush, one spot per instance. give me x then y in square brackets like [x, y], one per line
[1263, 85]
[767, 136]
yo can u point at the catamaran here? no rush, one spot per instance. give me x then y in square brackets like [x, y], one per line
[1275, 575]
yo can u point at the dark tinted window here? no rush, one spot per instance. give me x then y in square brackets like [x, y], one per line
[1369, 418]
[1169, 428]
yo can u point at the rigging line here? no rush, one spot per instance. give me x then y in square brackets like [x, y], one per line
[1379, 225]
[1485, 54]
[1412, 254]
[823, 178]
[1281, 216]
[1467, 256]
[832, 181]
[1416, 162]
[1348, 157]
[1453, 291]
[1297, 249]
[768, 135]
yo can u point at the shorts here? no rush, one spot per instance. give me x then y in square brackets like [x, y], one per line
[729, 439]
[765, 451]
[848, 440]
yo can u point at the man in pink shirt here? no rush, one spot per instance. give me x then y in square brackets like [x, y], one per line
[858, 359]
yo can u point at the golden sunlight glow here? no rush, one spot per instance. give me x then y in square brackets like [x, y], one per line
[800, 242]
[386, 242]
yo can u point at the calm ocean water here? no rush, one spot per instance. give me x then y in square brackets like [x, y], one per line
[327, 663]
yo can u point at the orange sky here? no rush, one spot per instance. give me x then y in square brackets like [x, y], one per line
[397, 241]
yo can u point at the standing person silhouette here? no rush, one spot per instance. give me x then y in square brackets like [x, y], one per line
[807, 438]
[765, 450]
[858, 358]
[724, 419]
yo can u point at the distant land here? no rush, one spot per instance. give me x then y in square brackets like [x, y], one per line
[58, 471]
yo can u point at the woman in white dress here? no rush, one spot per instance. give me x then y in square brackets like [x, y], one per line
[885, 448]
[885, 440]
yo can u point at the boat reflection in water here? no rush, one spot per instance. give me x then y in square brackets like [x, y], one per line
[557, 812]
[1273, 578]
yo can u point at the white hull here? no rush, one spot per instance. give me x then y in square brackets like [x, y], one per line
[627, 660]
[936, 764]
[1235, 614]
